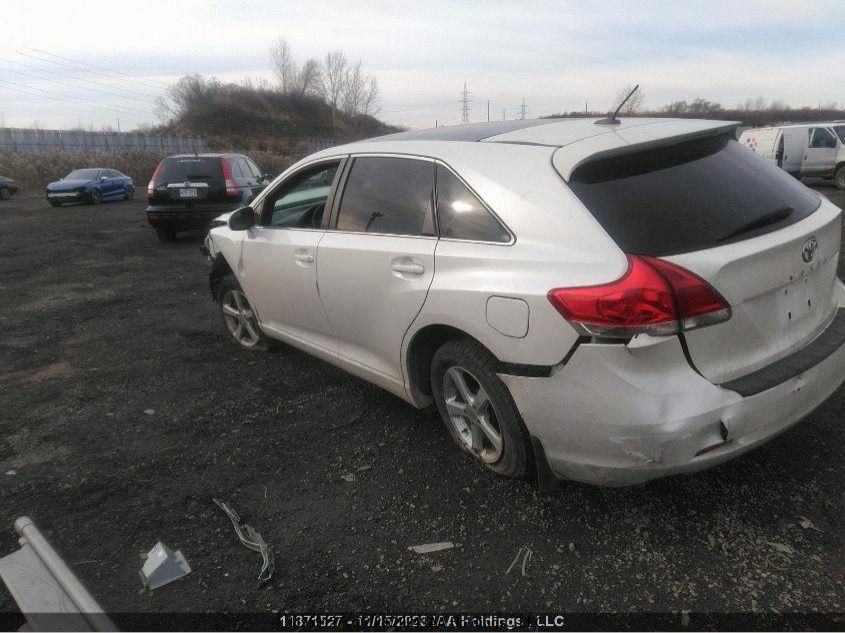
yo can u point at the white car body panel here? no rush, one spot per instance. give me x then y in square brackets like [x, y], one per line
[779, 302]
[605, 413]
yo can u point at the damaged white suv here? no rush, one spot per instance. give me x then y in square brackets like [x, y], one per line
[607, 302]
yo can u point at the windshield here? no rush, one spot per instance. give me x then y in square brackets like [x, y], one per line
[840, 132]
[83, 174]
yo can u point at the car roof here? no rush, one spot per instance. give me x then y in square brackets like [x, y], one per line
[206, 155]
[550, 132]
[574, 140]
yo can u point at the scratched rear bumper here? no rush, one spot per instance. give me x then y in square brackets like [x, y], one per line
[617, 415]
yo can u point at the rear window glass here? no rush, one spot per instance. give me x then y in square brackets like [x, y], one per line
[190, 168]
[691, 196]
[461, 215]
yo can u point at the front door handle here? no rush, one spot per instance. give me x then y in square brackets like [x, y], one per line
[409, 269]
[305, 258]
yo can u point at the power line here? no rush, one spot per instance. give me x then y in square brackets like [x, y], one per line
[118, 72]
[33, 94]
[17, 72]
[65, 96]
[465, 106]
[50, 61]
[88, 81]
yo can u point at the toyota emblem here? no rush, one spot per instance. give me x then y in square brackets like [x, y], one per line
[811, 248]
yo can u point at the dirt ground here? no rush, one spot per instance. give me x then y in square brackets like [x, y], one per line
[125, 409]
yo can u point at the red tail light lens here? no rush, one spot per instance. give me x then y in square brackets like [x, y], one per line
[231, 185]
[151, 192]
[653, 297]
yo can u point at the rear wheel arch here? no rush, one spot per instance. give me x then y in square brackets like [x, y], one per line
[421, 349]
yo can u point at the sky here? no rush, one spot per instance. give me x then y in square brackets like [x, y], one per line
[80, 63]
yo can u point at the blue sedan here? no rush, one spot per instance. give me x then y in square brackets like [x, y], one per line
[91, 185]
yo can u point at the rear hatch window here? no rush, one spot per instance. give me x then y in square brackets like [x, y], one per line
[189, 168]
[691, 196]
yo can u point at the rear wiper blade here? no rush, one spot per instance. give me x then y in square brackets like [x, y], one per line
[778, 215]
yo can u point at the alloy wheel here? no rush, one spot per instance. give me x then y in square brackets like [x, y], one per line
[95, 197]
[240, 318]
[5, 193]
[472, 414]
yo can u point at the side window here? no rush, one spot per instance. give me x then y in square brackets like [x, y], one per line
[256, 173]
[821, 137]
[461, 215]
[245, 169]
[388, 195]
[237, 169]
[300, 202]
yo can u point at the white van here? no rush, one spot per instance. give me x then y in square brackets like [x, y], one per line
[815, 150]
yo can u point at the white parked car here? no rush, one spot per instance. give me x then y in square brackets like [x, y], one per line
[815, 150]
[603, 303]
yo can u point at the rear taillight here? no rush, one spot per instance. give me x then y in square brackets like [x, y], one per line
[654, 297]
[231, 185]
[151, 192]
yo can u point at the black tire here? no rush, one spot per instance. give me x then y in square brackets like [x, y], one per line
[5, 193]
[129, 193]
[516, 457]
[227, 286]
[95, 197]
[55, 203]
[165, 234]
[839, 177]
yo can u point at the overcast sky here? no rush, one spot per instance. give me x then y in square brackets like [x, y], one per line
[557, 55]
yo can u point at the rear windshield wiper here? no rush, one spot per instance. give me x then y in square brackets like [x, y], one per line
[778, 215]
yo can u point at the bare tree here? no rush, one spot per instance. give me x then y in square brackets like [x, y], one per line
[332, 80]
[757, 104]
[632, 105]
[284, 66]
[293, 79]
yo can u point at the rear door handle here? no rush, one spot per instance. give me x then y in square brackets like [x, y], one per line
[409, 269]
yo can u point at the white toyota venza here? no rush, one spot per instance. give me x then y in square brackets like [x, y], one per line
[603, 302]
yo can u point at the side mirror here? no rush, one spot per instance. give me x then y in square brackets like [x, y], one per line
[103, 178]
[266, 177]
[242, 219]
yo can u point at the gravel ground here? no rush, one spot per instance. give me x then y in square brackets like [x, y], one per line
[125, 409]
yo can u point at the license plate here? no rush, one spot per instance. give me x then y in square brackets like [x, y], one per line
[188, 193]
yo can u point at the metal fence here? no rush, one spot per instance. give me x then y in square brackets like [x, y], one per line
[31, 140]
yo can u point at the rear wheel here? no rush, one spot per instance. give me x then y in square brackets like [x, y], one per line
[5, 193]
[239, 317]
[839, 177]
[165, 234]
[96, 198]
[478, 409]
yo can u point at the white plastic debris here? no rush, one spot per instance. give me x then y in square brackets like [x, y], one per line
[162, 566]
[427, 548]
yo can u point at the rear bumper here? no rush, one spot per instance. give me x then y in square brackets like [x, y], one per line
[182, 218]
[618, 415]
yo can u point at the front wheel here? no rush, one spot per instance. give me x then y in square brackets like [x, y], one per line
[477, 408]
[5, 193]
[239, 317]
[96, 198]
[129, 193]
[839, 178]
[55, 203]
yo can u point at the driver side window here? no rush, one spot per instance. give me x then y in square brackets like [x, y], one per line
[300, 202]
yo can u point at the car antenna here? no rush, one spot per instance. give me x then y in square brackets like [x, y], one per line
[612, 120]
